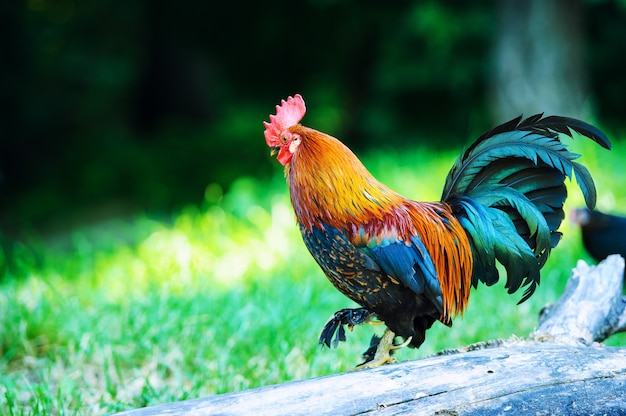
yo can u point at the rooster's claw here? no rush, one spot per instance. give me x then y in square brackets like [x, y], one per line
[350, 317]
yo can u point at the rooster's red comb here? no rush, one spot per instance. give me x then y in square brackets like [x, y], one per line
[288, 113]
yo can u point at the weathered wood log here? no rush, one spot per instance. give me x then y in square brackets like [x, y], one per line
[561, 370]
[592, 307]
[538, 378]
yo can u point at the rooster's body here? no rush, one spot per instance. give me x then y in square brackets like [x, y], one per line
[411, 263]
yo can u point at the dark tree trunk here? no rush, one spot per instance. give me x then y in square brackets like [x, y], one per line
[537, 59]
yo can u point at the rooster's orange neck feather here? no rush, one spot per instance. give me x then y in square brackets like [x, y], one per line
[329, 184]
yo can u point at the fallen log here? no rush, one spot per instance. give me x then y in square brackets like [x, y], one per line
[561, 369]
[541, 378]
[592, 307]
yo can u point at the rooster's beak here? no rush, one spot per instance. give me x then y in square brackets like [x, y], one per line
[274, 151]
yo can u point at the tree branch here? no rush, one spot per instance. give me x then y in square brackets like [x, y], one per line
[591, 309]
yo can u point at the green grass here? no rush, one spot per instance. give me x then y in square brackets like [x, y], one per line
[223, 297]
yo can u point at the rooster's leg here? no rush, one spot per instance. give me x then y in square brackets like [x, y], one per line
[384, 348]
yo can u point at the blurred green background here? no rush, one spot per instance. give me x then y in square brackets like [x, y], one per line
[149, 251]
[113, 107]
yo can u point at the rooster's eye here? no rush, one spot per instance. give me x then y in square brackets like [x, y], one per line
[284, 139]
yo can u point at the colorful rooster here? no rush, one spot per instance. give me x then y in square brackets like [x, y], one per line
[410, 263]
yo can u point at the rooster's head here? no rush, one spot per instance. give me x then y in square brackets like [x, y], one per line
[277, 132]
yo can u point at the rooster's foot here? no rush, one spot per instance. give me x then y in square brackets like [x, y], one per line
[380, 350]
[349, 317]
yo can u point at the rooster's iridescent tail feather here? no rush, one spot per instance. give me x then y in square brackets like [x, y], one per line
[507, 191]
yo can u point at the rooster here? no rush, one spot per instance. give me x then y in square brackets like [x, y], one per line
[408, 263]
[602, 234]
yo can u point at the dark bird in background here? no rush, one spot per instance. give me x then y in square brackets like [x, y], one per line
[602, 234]
[408, 263]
